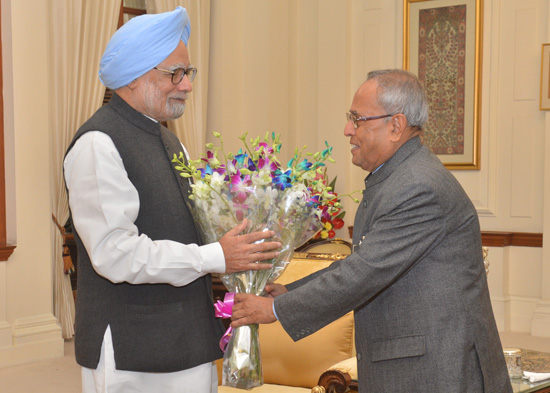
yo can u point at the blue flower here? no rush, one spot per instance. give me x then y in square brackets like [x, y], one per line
[290, 162]
[239, 159]
[252, 166]
[304, 165]
[282, 180]
[327, 152]
[207, 170]
[314, 201]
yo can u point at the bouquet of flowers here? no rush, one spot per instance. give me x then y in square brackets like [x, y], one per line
[334, 221]
[253, 184]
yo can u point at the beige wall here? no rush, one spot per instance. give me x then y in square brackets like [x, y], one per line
[509, 189]
[28, 329]
[276, 67]
[292, 67]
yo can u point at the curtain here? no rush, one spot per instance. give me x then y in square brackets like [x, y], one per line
[191, 127]
[78, 34]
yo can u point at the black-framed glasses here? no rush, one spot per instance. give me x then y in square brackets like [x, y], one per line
[353, 117]
[179, 73]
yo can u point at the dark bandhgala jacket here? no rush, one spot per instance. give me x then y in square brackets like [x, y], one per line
[416, 282]
[155, 327]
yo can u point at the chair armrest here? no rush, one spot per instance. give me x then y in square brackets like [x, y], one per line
[332, 381]
[338, 378]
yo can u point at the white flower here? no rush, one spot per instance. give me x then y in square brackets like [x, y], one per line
[266, 196]
[201, 204]
[261, 178]
[298, 191]
[230, 168]
[201, 190]
[309, 175]
[217, 182]
[214, 209]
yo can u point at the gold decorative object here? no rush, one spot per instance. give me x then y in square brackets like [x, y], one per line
[485, 261]
[320, 256]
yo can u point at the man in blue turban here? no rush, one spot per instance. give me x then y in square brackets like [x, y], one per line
[144, 310]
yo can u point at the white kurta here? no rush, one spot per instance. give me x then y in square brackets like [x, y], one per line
[104, 206]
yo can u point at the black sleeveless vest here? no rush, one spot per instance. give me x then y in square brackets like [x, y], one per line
[155, 327]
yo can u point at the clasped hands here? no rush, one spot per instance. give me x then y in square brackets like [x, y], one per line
[252, 309]
[243, 252]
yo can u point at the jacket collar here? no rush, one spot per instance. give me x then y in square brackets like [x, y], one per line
[394, 161]
[136, 118]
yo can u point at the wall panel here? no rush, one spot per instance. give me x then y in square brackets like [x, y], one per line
[526, 52]
[521, 170]
[28, 329]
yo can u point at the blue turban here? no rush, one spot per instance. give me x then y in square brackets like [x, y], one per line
[141, 44]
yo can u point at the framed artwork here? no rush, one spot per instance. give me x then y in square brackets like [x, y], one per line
[442, 46]
[545, 78]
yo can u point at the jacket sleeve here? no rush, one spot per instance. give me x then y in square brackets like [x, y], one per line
[403, 227]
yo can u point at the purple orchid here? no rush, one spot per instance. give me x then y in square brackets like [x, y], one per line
[266, 164]
[240, 186]
[265, 148]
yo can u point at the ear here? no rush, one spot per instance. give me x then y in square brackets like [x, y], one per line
[399, 125]
[133, 84]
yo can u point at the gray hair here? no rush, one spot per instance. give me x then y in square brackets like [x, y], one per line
[400, 91]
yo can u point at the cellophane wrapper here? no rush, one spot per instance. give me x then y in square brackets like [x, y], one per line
[293, 219]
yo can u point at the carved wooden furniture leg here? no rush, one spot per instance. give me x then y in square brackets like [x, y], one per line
[333, 381]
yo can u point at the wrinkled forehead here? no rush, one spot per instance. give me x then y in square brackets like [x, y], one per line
[365, 98]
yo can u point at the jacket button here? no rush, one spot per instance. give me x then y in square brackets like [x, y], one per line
[358, 356]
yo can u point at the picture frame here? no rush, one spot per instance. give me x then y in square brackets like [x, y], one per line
[443, 46]
[545, 78]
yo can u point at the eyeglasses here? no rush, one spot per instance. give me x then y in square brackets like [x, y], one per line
[178, 74]
[353, 117]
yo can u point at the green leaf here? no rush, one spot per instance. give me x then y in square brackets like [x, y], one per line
[332, 184]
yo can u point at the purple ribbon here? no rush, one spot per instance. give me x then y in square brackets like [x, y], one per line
[225, 310]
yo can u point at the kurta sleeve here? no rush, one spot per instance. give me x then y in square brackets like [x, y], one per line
[104, 206]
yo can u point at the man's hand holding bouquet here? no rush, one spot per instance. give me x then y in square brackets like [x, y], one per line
[290, 200]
